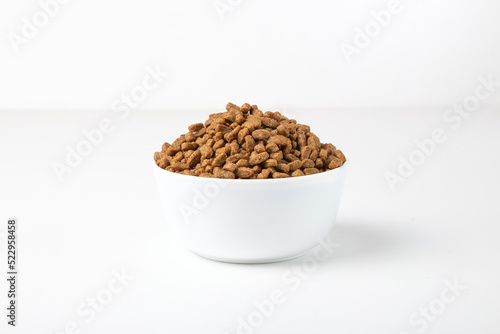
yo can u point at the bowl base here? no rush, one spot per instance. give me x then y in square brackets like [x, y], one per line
[253, 261]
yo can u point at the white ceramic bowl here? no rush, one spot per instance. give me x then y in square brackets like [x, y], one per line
[251, 221]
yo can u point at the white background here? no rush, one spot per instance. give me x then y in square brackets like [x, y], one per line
[397, 246]
[274, 52]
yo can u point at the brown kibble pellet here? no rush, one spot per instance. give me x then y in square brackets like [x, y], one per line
[206, 151]
[314, 142]
[249, 143]
[290, 157]
[244, 132]
[305, 152]
[232, 135]
[222, 128]
[287, 149]
[194, 159]
[190, 136]
[259, 148]
[294, 165]
[219, 160]
[256, 170]
[261, 134]
[253, 122]
[270, 163]
[164, 147]
[269, 122]
[230, 166]
[283, 168]
[223, 174]
[243, 163]
[234, 158]
[246, 143]
[178, 157]
[257, 158]
[264, 174]
[163, 162]
[301, 139]
[179, 166]
[279, 140]
[282, 130]
[340, 155]
[189, 146]
[244, 172]
[314, 155]
[230, 105]
[277, 155]
[336, 162]
[308, 163]
[218, 144]
[272, 148]
[195, 127]
[173, 150]
[310, 171]
[245, 108]
[323, 154]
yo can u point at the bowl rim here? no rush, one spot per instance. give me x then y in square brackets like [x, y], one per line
[256, 181]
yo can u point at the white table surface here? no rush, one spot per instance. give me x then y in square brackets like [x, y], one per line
[397, 248]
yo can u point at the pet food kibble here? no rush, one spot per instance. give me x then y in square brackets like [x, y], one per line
[243, 163]
[269, 122]
[246, 143]
[257, 158]
[284, 168]
[261, 134]
[245, 108]
[336, 162]
[189, 146]
[279, 140]
[294, 165]
[298, 172]
[309, 171]
[308, 163]
[190, 136]
[272, 148]
[264, 174]
[244, 132]
[244, 172]
[196, 127]
[219, 160]
[278, 175]
[223, 174]
[270, 163]
[305, 152]
[259, 148]
[194, 159]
